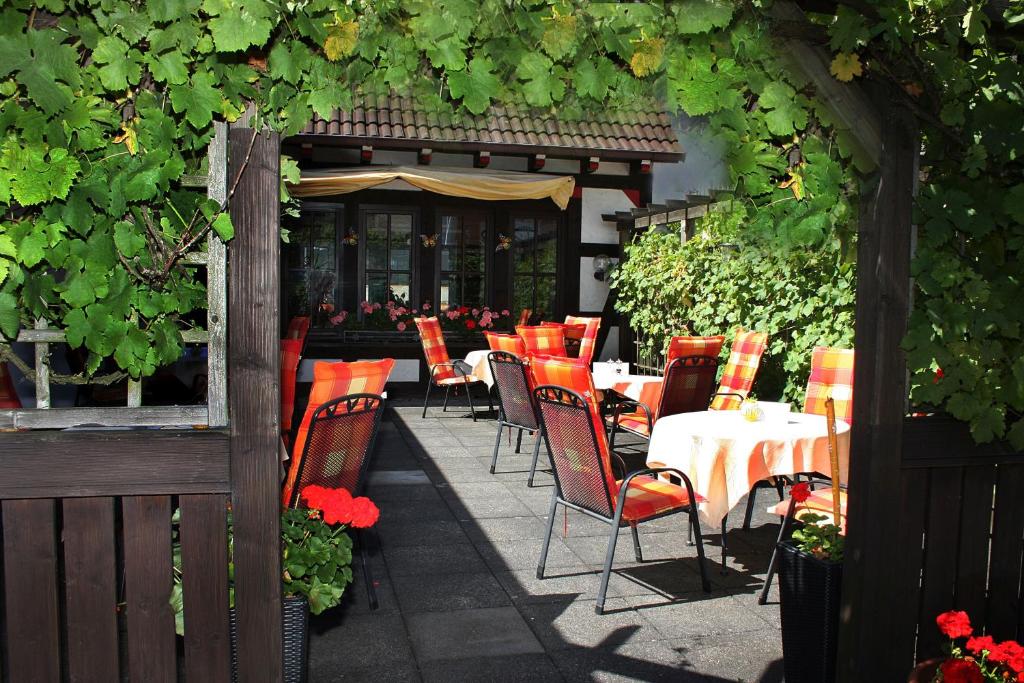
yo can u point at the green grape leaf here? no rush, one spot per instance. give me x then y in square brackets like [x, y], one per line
[701, 16]
[477, 85]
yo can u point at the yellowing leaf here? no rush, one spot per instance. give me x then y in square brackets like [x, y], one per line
[845, 66]
[647, 57]
[341, 39]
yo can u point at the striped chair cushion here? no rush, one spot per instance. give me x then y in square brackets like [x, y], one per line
[740, 370]
[588, 343]
[649, 497]
[831, 375]
[291, 350]
[331, 381]
[679, 347]
[433, 348]
[540, 340]
[512, 343]
[8, 394]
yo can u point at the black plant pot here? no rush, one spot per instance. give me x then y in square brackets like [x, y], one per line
[809, 591]
[295, 632]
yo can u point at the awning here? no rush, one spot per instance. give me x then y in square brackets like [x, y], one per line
[455, 182]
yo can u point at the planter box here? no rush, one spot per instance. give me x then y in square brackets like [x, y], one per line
[809, 591]
[295, 633]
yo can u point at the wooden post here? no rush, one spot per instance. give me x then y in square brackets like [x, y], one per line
[883, 305]
[254, 395]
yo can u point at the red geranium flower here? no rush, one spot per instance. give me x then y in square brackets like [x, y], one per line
[470, 324]
[978, 644]
[961, 671]
[364, 513]
[801, 491]
[954, 624]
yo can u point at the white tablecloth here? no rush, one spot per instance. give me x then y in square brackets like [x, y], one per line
[725, 455]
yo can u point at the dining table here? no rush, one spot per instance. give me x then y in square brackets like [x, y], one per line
[725, 454]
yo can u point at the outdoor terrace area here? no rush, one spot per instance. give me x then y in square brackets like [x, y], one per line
[456, 565]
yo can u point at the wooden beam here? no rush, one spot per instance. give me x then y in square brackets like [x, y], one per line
[113, 463]
[254, 396]
[883, 307]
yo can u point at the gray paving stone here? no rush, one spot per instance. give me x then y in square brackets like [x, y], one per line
[431, 559]
[514, 669]
[444, 592]
[473, 633]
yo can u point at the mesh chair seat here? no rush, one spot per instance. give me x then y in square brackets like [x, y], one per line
[649, 497]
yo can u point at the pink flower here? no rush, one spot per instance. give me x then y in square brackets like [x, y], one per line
[505, 312]
[401, 327]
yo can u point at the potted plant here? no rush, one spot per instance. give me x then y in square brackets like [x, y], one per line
[316, 559]
[810, 582]
[978, 659]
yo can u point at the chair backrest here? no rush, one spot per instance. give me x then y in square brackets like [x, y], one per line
[337, 452]
[524, 316]
[740, 370]
[8, 394]
[831, 375]
[512, 381]
[291, 354]
[332, 381]
[688, 385]
[542, 340]
[579, 457]
[693, 346]
[588, 345]
[511, 343]
[434, 348]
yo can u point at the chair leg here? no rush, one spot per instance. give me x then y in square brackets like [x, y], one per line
[497, 445]
[447, 390]
[606, 573]
[763, 598]
[637, 552]
[519, 441]
[547, 536]
[364, 551]
[533, 466]
[426, 400]
[469, 398]
[695, 529]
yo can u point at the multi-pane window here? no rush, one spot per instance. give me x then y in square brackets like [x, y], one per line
[389, 257]
[312, 267]
[535, 264]
[461, 241]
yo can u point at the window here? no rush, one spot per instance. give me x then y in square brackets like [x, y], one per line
[388, 257]
[535, 264]
[461, 243]
[311, 264]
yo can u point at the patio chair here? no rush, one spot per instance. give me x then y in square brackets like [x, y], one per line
[442, 371]
[687, 388]
[825, 502]
[740, 370]
[336, 454]
[510, 343]
[516, 409]
[524, 316]
[588, 343]
[8, 394]
[581, 463]
[291, 354]
[542, 340]
[831, 378]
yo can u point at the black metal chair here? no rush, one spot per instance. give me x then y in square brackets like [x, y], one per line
[337, 454]
[688, 386]
[516, 409]
[581, 464]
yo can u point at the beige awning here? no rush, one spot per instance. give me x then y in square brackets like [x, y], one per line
[468, 182]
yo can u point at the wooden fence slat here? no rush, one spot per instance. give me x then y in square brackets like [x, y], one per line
[941, 543]
[975, 530]
[89, 589]
[909, 529]
[147, 575]
[1004, 600]
[204, 568]
[30, 575]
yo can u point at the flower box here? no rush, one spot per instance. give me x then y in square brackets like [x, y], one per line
[809, 590]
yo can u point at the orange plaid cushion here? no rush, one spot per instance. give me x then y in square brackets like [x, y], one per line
[679, 347]
[649, 497]
[8, 395]
[524, 316]
[331, 381]
[543, 340]
[433, 347]
[589, 342]
[831, 375]
[291, 350]
[298, 327]
[512, 343]
[738, 376]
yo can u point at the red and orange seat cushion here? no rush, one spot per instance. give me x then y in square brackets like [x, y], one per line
[647, 496]
[510, 343]
[331, 381]
[291, 354]
[740, 369]
[543, 339]
[831, 376]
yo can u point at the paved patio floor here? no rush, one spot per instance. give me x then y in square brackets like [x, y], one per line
[460, 601]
